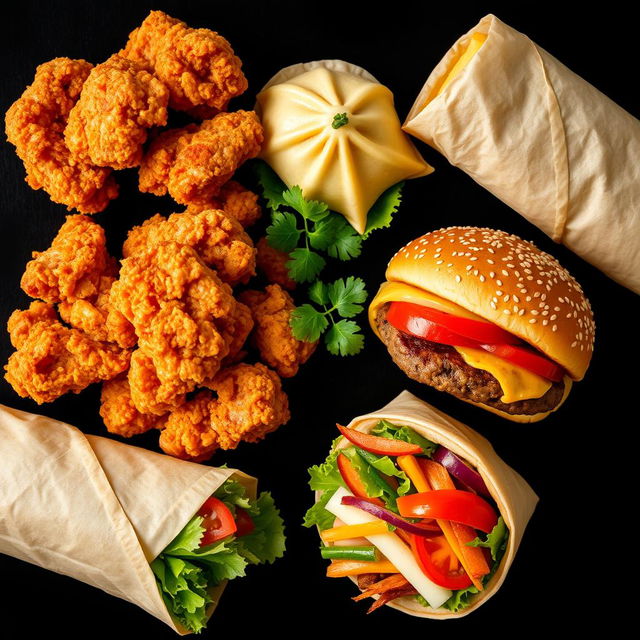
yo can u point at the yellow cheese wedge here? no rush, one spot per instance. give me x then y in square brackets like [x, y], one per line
[517, 383]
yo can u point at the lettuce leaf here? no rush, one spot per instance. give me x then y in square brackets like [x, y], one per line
[386, 429]
[185, 571]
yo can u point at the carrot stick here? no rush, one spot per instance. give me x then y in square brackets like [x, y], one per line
[472, 558]
[341, 568]
[409, 464]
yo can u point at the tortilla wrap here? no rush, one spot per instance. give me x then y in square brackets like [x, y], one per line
[543, 140]
[95, 509]
[515, 499]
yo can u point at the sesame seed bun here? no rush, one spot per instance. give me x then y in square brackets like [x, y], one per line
[507, 281]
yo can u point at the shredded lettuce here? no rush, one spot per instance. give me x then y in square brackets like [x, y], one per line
[185, 572]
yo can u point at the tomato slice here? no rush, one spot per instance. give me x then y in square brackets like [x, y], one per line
[472, 329]
[403, 317]
[439, 563]
[379, 445]
[527, 359]
[244, 522]
[444, 328]
[218, 521]
[352, 479]
[450, 504]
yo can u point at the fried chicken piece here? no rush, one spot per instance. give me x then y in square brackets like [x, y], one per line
[272, 334]
[120, 414]
[156, 164]
[22, 321]
[236, 329]
[219, 240]
[175, 303]
[236, 201]
[197, 65]
[53, 360]
[98, 319]
[188, 433]
[194, 163]
[35, 125]
[273, 264]
[212, 155]
[250, 404]
[120, 100]
[70, 269]
[149, 394]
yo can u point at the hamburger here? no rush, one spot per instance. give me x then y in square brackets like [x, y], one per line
[487, 317]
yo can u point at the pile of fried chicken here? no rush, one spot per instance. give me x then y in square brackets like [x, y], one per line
[162, 330]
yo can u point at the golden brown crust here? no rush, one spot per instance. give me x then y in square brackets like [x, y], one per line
[119, 102]
[272, 334]
[35, 125]
[21, 322]
[273, 264]
[507, 281]
[197, 65]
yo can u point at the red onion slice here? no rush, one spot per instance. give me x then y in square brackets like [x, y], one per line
[389, 516]
[462, 471]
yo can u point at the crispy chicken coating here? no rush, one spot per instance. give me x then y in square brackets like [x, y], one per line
[194, 163]
[236, 201]
[175, 303]
[98, 319]
[188, 433]
[35, 125]
[53, 360]
[120, 414]
[272, 334]
[273, 264]
[22, 321]
[120, 100]
[236, 329]
[219, 240]
[71, 268]
[197, 65]
[212, 155]
[250, 404]
[149, 394]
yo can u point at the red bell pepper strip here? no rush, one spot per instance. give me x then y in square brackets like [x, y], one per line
[376, 444]
[352, 479]
[450, 504]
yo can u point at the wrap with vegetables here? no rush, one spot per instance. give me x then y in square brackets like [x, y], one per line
[419, 510]
[162, 533]
[540, 138]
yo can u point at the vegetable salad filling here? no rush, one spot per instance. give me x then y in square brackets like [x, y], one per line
[405, 517]
[229, 532]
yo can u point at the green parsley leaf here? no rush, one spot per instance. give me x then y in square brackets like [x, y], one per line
[272, 186]
[325, 232]
[345, 296]
[319, 292]
[307, 323]
[304, 265]
[283, 232]
[339, 120]
[310, 209]
[343, 338]
[347, 243]
[381, 213]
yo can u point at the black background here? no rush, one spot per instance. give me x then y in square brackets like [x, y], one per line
[569, 459]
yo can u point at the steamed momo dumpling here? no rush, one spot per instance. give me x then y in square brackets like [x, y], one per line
[347, 166]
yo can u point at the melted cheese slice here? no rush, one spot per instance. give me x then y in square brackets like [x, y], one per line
[517, 383]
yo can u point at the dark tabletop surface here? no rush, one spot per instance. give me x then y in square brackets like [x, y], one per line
[569, 459]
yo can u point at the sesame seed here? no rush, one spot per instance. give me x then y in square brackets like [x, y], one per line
[506, 312]
[499, 283]
[505, 272]
[545, 322]
[521, 312]
[573, 344]
[458, 278]
[554, 328]
[532, 321]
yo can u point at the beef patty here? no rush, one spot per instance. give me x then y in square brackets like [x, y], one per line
[442, 367]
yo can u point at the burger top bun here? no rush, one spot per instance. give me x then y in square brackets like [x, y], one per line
[507, 281]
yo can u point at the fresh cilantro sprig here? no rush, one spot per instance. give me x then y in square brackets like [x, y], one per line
[342, 298]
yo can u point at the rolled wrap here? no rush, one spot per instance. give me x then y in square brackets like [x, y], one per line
[516, 500]
[95, 509]
[541, 139]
